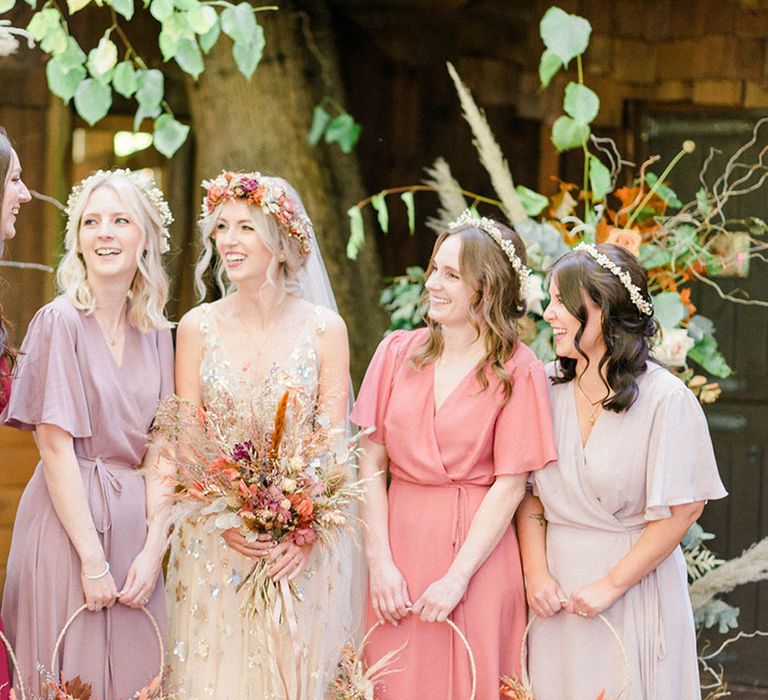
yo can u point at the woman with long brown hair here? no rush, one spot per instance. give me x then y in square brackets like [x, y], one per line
[460, 417]
[13, 193]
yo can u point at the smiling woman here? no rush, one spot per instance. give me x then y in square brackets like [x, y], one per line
[94, 363]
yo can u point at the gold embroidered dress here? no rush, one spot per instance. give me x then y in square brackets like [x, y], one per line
[214, 651]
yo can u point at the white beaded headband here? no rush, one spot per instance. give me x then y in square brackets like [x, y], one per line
[490, 227]
[643, 305]
[153, 194]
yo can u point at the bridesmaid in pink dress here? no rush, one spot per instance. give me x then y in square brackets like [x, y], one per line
[89, 529]
[12, 195]
[460, 417]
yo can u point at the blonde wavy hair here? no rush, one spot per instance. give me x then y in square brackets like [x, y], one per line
[282, 273]
[495, 307]
[149, 289]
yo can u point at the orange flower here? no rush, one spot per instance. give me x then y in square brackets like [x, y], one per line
[302, 504]
[628, 238]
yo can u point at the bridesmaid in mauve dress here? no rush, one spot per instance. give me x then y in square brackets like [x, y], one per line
[93, 365]
[458, 429]
[635, 466]
[13, 193]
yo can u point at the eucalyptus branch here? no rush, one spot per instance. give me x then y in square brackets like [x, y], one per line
[129, 50]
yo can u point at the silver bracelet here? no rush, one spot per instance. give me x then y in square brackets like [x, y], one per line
[97, 576]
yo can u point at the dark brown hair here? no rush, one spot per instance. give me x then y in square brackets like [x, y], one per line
[626, 330]
[495, 306]
[7, 351]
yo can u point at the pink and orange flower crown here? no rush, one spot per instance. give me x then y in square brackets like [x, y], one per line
[265, 192]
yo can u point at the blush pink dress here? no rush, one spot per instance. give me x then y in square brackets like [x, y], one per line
[441, 467]
[67, 377]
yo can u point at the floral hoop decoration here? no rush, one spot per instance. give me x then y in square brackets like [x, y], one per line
[356, 681]
[521, 689]
[267, 193]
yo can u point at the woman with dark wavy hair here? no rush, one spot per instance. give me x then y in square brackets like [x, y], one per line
[600, 532]
[460, 417]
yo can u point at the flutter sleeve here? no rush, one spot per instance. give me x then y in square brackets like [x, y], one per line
[48, 386]
[165, 351]
[523, 437]
[681, 464]
[371, 406]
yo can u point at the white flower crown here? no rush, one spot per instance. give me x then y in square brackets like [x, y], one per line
[490, 227]
[643, 304]
[147, 187]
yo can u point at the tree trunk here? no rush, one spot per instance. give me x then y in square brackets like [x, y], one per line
[263, 125]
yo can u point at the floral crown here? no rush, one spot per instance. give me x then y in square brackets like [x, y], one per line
[147, 187]
[643, 304]
[264, 192]
[490, 227]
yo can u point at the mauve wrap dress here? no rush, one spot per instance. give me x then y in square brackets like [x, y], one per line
[67, 377]
[441, 467]
[598, 499]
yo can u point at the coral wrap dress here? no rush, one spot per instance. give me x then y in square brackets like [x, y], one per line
[598, 498]
[67, 377]
[442, 465]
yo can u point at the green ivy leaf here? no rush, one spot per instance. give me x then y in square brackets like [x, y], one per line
[581, 103]
[320, 120]
[124, 79]
[669, 309]
[103, 58]
[356, 232]
[43, 22]
[6, 5]
[247, 56]
[565, 35]
[169, 135]
[151, 87]
[161, 10]
[407, 198]
[568, 133]
[93, 100]
[189, 58]
[73, 56]
[343, 130]
[665, 193]
[122, 7]
[168, 43]
[210, 38]
[533, 202]
[599, 178]
[202, 19]
[705, 353]
[239, 23]
[378, 202]
[549, 65]
[652, 256]
[63, 81]
[76, 5]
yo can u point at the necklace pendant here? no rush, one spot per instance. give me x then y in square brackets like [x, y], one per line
[591, 420]
[112, 342]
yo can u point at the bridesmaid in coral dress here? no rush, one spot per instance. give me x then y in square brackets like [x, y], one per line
[12, 195]
[460, 417]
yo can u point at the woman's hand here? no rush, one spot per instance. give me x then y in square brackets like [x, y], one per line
[288, 559]
[389, 592]
[140, 581]
[100, 592]
[260, 547]
[440, 598]
[544, 595]
[593, 599]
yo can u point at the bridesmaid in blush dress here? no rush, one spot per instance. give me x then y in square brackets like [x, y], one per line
[12, 195]
[600, 533]
[461, 417]
[93, 365]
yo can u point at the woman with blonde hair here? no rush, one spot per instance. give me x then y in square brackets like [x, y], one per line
[274, 330]
[93, 365]
[460, 417]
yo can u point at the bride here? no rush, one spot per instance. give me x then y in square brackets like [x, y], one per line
[263, 337]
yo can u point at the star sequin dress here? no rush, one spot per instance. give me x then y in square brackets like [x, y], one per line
[213, 650]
